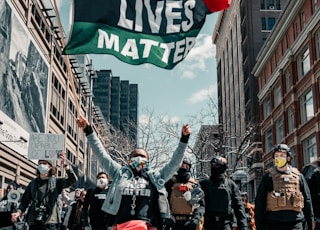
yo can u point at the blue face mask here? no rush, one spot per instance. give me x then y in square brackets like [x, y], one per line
[43, 168]
[139, 164]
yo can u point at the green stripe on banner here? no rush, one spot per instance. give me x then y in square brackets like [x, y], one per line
[131, 47]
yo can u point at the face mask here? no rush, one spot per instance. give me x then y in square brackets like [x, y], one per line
[280, 162]
[43, 169]
[139, 164]
[183, 175]
[216, 171]
[102, 182]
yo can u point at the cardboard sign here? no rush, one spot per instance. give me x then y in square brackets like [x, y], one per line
[45, 146]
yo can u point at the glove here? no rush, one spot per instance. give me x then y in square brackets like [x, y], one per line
[168, 222]
[191, 224]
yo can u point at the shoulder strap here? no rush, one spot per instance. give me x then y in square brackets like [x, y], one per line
[295, 171]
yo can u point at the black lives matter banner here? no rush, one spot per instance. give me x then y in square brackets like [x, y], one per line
[139, 31]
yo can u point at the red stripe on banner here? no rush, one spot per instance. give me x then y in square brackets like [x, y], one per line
[217, 5]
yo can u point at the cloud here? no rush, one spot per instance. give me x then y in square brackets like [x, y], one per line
[197, 59]
[203, 94]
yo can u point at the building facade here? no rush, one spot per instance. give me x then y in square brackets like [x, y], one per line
[289, 84]
[118, 101]
[239, 34]
[42, 91]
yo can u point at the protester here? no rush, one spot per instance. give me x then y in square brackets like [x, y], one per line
[186, 199]
[76, 220]
[71, 202]
[137, 195]
[249, 209]
[99, 220]
[64, 211]
[222, 199]
[7, 206]
[283, 200]
[41, 196]
[311, 173]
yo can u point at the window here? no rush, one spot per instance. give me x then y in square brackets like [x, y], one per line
[268, 140]
[307, 110]
[295, 30]
[263, 24]
[288, 80]
[271, 22]
[315, 5]
[309, 150]
[294, 157]
[277, 95]
[302, 19]
[270, 4]
[290, 119]
[262, 5]
[57, 100]
[304, 63]
[278, 6]
[267, 107]
[318, 44]
[279, 130]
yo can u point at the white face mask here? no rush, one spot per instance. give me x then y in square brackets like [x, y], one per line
[43, 168]
[102, 182]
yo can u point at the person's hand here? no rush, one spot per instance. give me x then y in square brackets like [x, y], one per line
[191, 224]
[63, 157]
[86, 228]
[168, 222]
[82, 122]
[186, 130]
[14, 216]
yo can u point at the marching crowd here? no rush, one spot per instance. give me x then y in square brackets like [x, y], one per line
[136, 197]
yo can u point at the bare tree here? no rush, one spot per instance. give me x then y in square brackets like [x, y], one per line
[159, 136]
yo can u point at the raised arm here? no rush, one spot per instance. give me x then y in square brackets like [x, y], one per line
[98, 149]
[176, 160]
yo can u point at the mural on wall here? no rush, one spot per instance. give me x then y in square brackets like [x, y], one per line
[23, 74]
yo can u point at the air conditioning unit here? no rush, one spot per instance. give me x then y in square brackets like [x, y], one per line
[271, 7]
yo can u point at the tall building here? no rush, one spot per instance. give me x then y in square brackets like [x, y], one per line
[288, 70]
[118, 102]
[239, 34]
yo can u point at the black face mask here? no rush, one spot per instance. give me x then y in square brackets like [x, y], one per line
[216, 171]
[183, 175]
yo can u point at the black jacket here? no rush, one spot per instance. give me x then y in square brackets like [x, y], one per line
[37, 192]
[236, 201]
[92, 209]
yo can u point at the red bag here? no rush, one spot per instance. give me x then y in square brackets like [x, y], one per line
[133, 225]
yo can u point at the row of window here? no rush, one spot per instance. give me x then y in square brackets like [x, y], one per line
[307, 111]
[303, 67]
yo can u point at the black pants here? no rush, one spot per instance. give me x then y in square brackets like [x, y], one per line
[277, 225]
[217, 225]
[45, 227]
